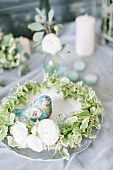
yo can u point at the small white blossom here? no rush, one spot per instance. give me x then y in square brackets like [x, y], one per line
[51, 44]
[20, 133]
[48, 131]
[34, 143]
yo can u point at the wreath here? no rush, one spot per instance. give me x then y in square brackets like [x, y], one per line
[58, 134]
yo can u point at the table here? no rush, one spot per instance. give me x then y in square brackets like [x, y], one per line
[99, 156]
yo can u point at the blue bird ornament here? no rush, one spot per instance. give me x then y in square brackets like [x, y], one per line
[40, 108]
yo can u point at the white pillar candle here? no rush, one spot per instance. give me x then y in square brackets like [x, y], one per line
[85, 35]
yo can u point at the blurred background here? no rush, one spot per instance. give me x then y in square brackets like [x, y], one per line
[15, 15]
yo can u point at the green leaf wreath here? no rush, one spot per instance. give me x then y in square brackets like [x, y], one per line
[72, 129]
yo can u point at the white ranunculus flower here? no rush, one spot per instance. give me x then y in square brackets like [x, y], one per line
[34, 143]
[48, 131]
[20, 133]
[51, 44]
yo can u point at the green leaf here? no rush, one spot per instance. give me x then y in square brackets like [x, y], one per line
[70, 140]
[3, 131]
[71, 120]
[36, 26]
[84, 113]
[64, 153]
[84, 124]
[37, 37]
[25, 89]
[35, 89]
[93, 110]
[50, 15]
[11, 104]
[12, 117]
[64, 142]
[65, 49]
[23, 101]
[11, 142]
[37, 18]
[96, 124]
[7, 119]
[13, 98]
[39, 11]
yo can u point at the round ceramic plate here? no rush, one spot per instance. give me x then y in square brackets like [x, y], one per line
[47, 155]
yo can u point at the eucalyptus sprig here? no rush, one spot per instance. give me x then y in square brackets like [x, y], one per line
[45, 25]
[42, 26]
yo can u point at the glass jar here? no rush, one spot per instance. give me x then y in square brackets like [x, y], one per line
[54, 63]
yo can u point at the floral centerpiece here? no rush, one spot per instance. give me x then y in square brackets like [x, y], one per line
[11, 55]
[58, 134]
[46, 38]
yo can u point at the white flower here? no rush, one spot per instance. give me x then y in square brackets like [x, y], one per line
[48, 131]
[20, 133]
[34, 143]
[51, 44]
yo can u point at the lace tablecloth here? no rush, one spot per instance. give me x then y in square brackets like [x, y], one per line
[99, 156]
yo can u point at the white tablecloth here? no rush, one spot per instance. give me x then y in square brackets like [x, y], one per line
[99, 156]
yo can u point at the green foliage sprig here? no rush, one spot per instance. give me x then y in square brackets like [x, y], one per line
[43, 26]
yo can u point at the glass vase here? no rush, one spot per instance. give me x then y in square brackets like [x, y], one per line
[54, 63]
